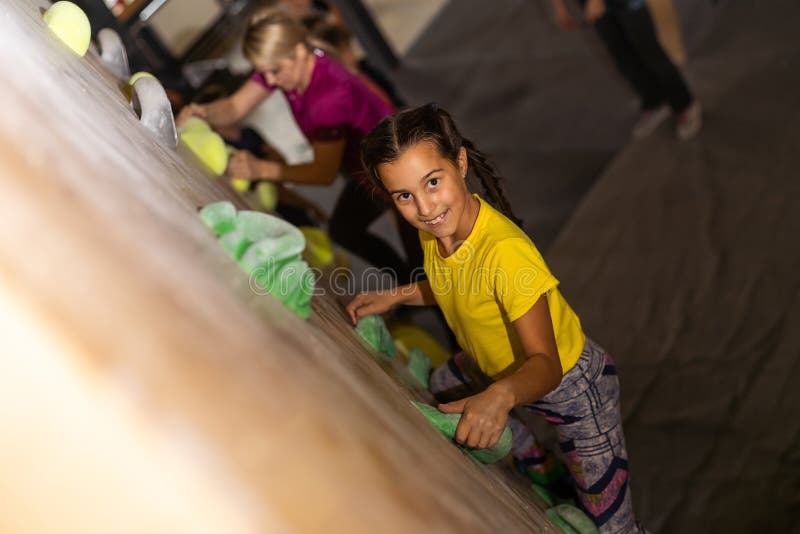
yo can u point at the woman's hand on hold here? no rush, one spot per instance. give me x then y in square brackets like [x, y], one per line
[372, 302]
[191, 110]
[245, 166]
[484, 417]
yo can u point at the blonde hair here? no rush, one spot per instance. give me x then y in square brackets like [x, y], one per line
[272, 34]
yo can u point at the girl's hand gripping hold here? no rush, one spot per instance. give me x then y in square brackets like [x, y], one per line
[372, 302]
[484, 416]
[245, 166]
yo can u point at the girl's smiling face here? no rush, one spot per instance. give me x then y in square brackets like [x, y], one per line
[431, 192]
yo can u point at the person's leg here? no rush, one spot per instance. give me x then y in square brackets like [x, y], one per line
[585, 410]
[629, 64]
[348, 226]
[640, 31]
[457, 378]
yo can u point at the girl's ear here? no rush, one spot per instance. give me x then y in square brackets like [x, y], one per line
[463, 164]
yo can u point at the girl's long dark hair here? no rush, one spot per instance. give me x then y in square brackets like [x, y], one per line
[398, 132]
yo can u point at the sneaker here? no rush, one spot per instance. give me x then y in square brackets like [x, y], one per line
[550, 470]
[690, 121]
[547, 471]
[649, 120]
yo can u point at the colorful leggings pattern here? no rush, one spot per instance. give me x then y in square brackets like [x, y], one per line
[585, 411]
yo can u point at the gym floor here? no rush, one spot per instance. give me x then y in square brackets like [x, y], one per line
[680, 257]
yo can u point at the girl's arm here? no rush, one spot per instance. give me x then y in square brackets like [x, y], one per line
[485, 414]
[541, 371]
[321, 171]
[371, 302]
[228, 110]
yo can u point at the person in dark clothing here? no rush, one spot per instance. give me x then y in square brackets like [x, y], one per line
[626, 28]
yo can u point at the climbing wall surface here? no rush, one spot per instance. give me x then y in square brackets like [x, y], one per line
[144, 387]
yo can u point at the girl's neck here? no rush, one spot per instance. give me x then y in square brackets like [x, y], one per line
[308, 72]
[449, 244]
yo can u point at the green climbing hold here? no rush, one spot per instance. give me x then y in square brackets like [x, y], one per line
[219, 216]
[447, 424]
[271, 252]
[299, 290]
[289, 279]
[553, 516]
[419, 365]
[278, 243]
[373, 330]
[234, 243]
[576, 518]
[267, 275]
[268, 249]
[542, 492]
[258, 226]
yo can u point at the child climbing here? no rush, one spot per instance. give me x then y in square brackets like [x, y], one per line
[334, 110]
[505, 309]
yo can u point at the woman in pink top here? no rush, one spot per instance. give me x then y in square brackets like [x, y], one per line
[335, 111]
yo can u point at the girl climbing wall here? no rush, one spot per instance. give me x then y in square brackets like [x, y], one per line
[505, 309]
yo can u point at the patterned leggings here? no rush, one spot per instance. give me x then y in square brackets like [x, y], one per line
[585, 410]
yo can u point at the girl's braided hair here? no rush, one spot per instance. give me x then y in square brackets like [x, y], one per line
[398, 132]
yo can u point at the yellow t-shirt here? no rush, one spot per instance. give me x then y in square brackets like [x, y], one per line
[491, 280]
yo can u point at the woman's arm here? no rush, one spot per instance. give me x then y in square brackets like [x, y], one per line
[485, 414]
[321, 171]
[371, 302]
[229, 110]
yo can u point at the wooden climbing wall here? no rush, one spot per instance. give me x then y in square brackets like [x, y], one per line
[144, 387]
